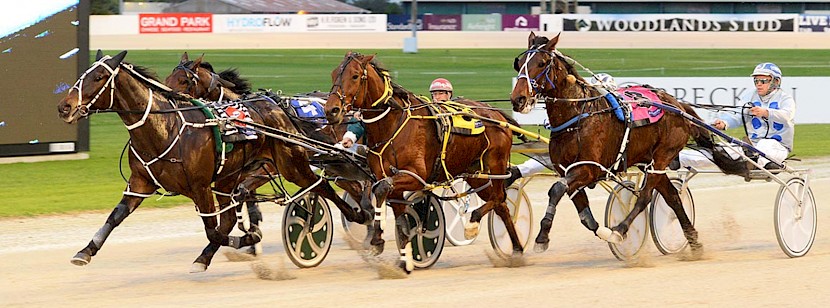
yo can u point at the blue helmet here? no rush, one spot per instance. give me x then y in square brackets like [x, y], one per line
[767, 69]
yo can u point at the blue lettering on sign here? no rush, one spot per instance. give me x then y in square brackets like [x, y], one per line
[242, 22]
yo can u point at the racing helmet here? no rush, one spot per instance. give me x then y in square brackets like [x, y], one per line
[604, 80]
[440, 84]
[767, 69]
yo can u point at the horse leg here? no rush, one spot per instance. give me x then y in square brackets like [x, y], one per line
[376, 196]
[407, 263]
[571, 184]
[555, 193]
[672, 197]
[216, 233]
[127, 205]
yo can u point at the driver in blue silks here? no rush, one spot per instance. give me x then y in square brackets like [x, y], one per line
[769, 122]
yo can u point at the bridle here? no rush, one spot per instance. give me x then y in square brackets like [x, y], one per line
[193, 77]
[533, 86]
[83, 110]
[363, 85]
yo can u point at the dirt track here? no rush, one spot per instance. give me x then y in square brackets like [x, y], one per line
[146, 262]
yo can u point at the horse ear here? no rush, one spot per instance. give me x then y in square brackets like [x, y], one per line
[115, 61]
[99, 55]
[197, 62]
[530, 39]
[185, 58]
[369, 58]
[552, 43]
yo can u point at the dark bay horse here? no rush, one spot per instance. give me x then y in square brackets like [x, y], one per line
[401, 145]
[586, 150]
[168, 150]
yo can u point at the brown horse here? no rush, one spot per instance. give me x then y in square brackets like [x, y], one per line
[405, 150]
[197, 78]
[168, 150]
[588, 148]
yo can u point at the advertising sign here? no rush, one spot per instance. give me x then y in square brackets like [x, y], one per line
[808, 92]
[258, 23]
[814, 23]
[481, 22]
[442, 22]
[512, 22]
[680, 22]
[175, 23]
[403, 22]
[346, 22]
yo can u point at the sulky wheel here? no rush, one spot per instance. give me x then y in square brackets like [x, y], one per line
[522, 214]
[665, 228]
[425, 228]
[620, 202]
[457, 212]
[795, 225]
[307, 230]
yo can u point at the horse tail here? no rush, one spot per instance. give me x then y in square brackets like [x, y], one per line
[705, 139]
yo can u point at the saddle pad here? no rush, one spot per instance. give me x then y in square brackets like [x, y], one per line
[461, 124]
[309, 108]
[641, 115]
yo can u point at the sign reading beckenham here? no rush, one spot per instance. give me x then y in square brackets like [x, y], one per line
[175, 23]
[808, 92]
[680, 22]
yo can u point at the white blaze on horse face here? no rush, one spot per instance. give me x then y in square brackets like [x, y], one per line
[524, 73]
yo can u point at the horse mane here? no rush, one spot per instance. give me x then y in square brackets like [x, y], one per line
[149, 74]
[241, 85]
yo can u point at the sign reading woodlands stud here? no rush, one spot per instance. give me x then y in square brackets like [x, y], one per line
[680, 22]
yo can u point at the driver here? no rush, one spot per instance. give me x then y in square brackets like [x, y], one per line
[768, 123]
[441, 90]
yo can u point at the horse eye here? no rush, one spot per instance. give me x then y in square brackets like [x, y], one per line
[541, 64]
[355, 76]
[183, 81]
[99, 77]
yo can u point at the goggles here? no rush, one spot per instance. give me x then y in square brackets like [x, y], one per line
[762, 81]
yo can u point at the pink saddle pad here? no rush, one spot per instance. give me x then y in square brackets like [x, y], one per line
[641, 115]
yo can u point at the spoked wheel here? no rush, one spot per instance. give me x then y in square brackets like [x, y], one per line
[665, 228]
[795, 222]
[457, 213]
[620, 203]
[522, 215]
[307, 230]
[354, 231]
[425, 226]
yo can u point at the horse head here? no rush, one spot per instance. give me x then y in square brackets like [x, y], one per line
[198, 79]
[356, 83]
[543, 71]
[90, 91]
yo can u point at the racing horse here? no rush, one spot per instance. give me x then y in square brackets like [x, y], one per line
[405, 153]
[168, 151]
[587, 143]
[198, 79]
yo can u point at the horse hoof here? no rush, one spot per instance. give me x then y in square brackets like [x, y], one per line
[80, 259]
[609, 236]
[540, 247]
[471, 230]
[376, 250]
[197, 267]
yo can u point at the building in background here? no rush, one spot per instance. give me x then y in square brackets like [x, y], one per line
[617, 6]
[265, 7]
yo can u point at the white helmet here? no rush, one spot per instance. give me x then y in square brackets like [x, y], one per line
[767, 69]
[604, 80]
